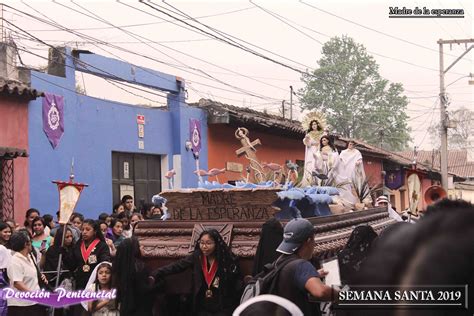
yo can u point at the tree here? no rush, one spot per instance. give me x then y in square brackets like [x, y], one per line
[462, 121]
[357, 102]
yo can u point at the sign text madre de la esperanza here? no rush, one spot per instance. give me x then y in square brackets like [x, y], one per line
[222, 205]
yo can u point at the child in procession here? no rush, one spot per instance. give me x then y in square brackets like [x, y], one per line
[101, 280]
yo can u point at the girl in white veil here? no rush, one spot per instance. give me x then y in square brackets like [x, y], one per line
[101, 279]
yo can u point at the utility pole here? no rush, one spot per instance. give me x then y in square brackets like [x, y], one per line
[291, 102]
[2, 23]
[381, 135]
[283, 108]
[443, 101]
[443, 121]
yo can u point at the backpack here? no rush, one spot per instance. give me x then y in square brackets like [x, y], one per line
[266, 281]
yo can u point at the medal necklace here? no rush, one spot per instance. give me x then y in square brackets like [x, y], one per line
[209, 274]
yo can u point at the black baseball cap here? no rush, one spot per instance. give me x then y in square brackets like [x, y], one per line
[295, 234]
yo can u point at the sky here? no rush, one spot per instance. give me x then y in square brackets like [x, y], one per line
[168, 37]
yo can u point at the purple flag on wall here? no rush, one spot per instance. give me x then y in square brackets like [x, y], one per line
[394, 179]
[195, 134]
[53, 117]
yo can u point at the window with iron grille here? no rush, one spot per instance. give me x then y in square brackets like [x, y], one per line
[6, 189]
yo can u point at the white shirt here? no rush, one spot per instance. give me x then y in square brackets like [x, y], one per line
[5, 257]
[22, 269]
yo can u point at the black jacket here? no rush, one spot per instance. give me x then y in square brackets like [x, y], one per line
[51, 262]
[74, 262]
[225, 297]
[270, 238]
[140, 296]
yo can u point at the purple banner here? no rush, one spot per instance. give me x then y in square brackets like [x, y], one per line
[53, 117]
[59, 298]
[195, 134]
[394, 179]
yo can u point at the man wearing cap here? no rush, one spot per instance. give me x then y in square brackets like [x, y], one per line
[382, 201]
[299, 277]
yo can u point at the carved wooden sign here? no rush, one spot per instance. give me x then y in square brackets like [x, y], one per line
[221, 204]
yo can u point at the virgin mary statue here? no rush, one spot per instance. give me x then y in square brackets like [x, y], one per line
[314, 124]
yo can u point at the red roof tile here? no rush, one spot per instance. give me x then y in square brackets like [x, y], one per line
[10, 152]
[457, 160]
[245, 115]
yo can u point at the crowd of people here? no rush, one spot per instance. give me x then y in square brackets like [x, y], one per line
[93, 254]
[103, 254]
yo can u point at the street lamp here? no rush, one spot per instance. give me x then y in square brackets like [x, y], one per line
[470, 82]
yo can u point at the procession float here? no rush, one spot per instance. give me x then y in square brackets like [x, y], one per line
[330, 190]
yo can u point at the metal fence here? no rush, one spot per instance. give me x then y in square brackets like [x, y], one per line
[6, 189]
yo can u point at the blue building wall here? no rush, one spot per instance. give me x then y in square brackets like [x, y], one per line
[93, 129]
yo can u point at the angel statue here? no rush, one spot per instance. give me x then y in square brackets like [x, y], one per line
[327, 159]
[351, 160]
[351, 172]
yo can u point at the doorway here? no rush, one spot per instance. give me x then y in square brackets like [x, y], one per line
[138, 175]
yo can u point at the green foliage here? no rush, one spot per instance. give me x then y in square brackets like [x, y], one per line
[357, 102]
[363, 190]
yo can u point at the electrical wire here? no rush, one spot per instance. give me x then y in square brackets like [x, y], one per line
[278, 17]
[111, 81]
[101, 70]
[281, 89]
[465, 11]
[459, 26]
[425, 97]
[372, 29]
[136, 36]
[146, 24]
[116, 84]
[226, 36]
[121, 81]
[248, 77]
[430, 124]
[113, 46]
[132, 42]
[283, 19]
[243, 47]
